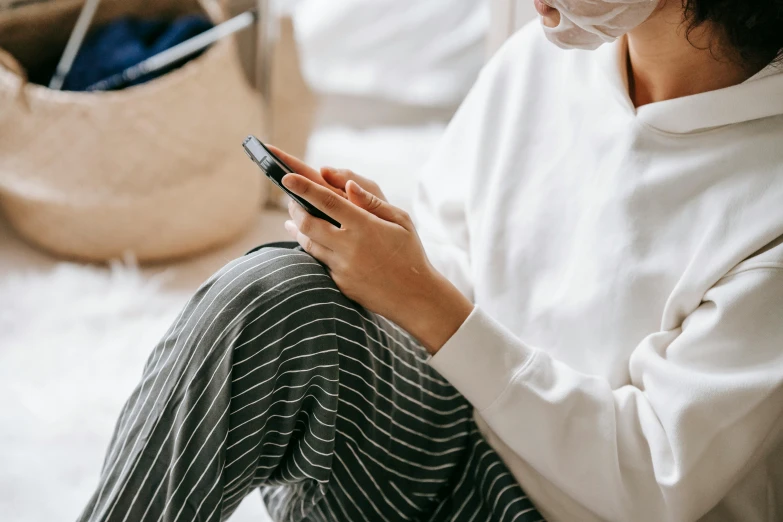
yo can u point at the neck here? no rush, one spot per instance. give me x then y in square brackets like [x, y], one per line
[664, 63]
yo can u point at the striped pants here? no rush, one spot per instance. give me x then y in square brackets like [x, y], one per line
[271, 379]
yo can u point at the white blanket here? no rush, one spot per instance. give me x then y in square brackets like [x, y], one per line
[408, 51]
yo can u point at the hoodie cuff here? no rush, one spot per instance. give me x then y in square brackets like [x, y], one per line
[481, 359]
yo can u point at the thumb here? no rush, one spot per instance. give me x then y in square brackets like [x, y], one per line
[371, 203]
[335, 177]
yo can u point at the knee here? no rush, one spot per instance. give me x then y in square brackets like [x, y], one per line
[283, 314]
[247, 307]
[271, 287]
[264, 278]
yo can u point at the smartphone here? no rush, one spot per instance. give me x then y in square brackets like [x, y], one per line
[275, 169]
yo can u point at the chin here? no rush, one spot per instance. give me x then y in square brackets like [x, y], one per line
[551, 20]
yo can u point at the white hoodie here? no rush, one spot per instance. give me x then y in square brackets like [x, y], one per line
[625, 356]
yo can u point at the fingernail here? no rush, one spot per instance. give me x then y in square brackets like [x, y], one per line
[358, 188]
[290, 225]
[289, 181]
[331, 170]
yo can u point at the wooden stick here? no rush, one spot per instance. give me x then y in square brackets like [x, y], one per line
[74, 44]
[176, 53]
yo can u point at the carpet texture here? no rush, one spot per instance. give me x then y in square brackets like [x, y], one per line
[73, 343]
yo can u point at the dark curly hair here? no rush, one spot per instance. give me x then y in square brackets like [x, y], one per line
[753, 29]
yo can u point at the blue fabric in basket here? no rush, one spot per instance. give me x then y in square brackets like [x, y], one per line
[122, 43]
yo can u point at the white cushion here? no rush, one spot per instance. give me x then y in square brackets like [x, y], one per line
[408, 51]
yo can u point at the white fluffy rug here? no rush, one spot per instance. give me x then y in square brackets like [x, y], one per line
[73, 342]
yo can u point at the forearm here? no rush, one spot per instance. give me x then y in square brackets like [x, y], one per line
[435, 313]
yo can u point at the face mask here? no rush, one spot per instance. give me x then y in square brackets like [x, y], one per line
[587, 24]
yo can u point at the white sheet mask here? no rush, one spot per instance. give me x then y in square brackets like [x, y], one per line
[587, 24]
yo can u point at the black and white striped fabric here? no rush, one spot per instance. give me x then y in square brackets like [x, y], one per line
[271, 379]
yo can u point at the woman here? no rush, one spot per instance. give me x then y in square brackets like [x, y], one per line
[602, 287]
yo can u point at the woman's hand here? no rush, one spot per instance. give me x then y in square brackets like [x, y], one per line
[331, 178]
[376, 258]
[339, 178]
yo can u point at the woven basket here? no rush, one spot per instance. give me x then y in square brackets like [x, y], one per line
[156, 170]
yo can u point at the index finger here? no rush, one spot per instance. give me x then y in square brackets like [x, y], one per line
[299, 166]
[325, 200]
[303, 169]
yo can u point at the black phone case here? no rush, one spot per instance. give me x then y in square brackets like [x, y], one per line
[275, 169]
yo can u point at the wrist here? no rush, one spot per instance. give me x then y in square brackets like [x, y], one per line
[440, 311]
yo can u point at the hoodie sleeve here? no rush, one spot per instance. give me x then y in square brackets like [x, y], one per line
[705, 401]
